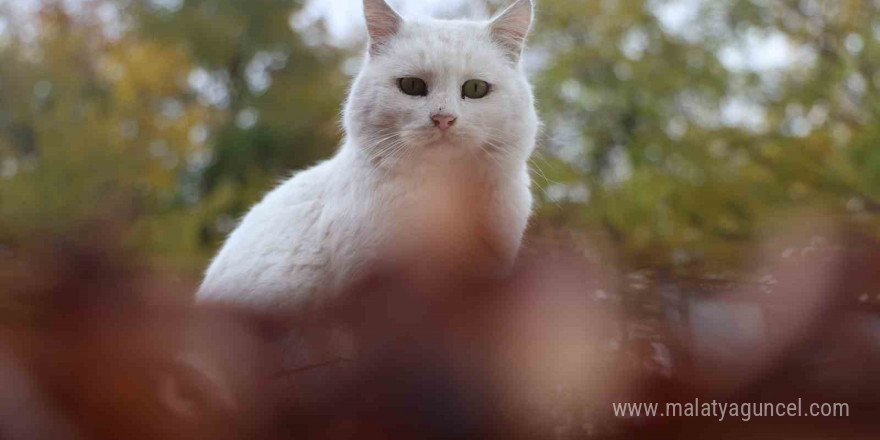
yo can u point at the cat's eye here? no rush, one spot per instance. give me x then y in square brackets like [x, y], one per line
[413, 86]
[475, 89]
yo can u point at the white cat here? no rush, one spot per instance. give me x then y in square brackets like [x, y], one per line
[432, 174]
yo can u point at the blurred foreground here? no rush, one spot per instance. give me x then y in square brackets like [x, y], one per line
[94, 346]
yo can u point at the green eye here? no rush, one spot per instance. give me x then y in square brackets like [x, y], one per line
[475, 89]
[413, 86]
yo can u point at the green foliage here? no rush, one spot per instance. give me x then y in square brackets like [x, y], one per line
[656, 137]
[637, 111]
[291, 93]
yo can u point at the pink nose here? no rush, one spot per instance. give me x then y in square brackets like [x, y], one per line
[443, 121]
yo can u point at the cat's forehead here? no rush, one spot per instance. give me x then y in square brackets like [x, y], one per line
[444, 46]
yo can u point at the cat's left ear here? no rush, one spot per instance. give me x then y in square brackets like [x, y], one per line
[382, 23]
[511, 27]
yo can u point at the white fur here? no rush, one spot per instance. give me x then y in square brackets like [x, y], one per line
[399, 189]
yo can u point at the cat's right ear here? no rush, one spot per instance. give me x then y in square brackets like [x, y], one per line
[511, 28]
[382, 23]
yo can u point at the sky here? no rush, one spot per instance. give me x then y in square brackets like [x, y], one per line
[344, 18]
[344, 21]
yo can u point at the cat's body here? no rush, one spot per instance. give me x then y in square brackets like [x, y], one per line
[427, 177]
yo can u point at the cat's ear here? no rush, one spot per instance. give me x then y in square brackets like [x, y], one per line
[382, 23]
[511, 27]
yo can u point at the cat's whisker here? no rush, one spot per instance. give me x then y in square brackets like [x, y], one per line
[499, 146]
[375, 146]
[376, 140]
[535, 168]
[533, 163]
[393, 152]
[491, 156]
[379, 147]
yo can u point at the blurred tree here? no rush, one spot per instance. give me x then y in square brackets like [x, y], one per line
[89, 125]
[280, 97]
[664, 132]
[171, 120]
[672, 131]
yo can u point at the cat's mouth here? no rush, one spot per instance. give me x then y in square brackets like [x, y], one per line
[433, 135]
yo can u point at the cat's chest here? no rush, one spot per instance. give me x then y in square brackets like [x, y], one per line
[443, 211]
[442, 192]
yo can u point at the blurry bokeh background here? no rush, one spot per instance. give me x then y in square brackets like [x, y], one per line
[708, 186]
[675, 129]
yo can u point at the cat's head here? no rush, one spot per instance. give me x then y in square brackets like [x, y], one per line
[443, 84]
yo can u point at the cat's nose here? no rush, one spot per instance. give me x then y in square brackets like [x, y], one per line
[443, 121]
